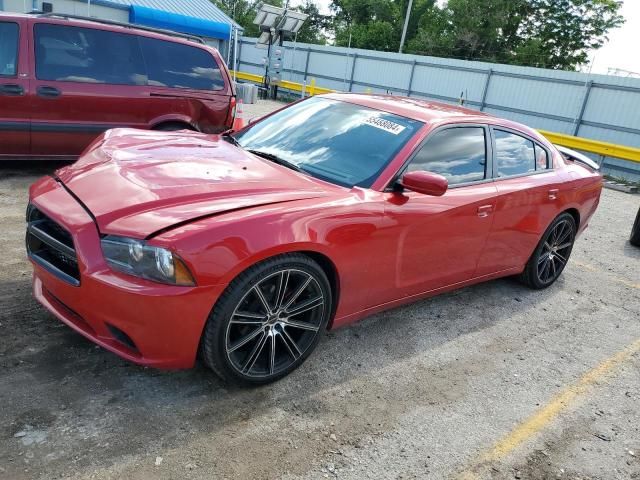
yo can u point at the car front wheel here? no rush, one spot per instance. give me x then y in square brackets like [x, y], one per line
[268, 320]
[552, 253]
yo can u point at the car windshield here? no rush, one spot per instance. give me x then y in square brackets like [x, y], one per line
[336, 141]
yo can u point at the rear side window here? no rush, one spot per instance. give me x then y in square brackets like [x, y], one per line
[514, 154]
[458, 154]
[8, 48]
[75, 54]
[180, 66]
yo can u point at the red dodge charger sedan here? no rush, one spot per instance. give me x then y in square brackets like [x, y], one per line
[243, 248]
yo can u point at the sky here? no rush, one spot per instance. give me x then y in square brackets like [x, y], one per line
[621, 49]
[619, 52]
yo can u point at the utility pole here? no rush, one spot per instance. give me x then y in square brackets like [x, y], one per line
[406, 24]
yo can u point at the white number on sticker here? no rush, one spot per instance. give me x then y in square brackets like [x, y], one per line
[386, 125]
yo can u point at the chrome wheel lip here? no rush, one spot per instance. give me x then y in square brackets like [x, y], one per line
[555, 252]
[275, 328]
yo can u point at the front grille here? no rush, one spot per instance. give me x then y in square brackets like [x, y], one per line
[51, 246]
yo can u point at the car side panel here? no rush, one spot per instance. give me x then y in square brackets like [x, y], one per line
[15, 109]
[430, 242]
[64, 125]
[525, 207]
[204, 111]
[219, 248]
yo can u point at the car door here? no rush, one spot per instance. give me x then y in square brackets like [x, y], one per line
[14, 87]
[528, 190]
[86, 80]
[433, 242]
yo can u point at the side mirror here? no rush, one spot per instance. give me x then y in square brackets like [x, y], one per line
[425, 182]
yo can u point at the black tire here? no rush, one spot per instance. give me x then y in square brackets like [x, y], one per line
[635, 231]
[552, 253]
[279, 343]
[173, 127]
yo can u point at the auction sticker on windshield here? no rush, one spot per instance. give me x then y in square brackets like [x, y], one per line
[386, 125]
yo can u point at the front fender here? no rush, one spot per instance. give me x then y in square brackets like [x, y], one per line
[218, 249]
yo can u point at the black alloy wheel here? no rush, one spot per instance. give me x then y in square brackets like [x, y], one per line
[552, 253]
[268, 320]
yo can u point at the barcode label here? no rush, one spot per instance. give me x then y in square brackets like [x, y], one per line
[385, 125]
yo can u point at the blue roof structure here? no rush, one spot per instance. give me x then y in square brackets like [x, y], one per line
[196, 17]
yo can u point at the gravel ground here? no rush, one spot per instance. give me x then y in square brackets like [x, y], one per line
[422, 391]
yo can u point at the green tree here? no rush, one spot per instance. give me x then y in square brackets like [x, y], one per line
[315, 28]
[541, 33]
[374, 24]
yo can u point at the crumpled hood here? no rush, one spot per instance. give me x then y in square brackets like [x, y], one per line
[138, 182]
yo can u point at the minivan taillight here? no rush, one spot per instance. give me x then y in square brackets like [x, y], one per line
[232, 112]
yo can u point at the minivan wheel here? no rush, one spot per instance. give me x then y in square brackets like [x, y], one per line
[268, 320]
[173, 127]
[552, 253]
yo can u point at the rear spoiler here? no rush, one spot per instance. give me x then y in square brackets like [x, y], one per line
[578, 157]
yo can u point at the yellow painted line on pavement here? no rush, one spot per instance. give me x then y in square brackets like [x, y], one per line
[621, 281]
[540, 419]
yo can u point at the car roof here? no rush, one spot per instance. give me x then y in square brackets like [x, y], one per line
[96, 23]
[431, 112]
[14, 15]
[418, 109]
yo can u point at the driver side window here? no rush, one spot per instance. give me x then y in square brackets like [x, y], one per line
[459, 154]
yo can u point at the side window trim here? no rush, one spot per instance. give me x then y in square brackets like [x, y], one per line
[494, 162]
[488, 147]
[17, 55]
[550, 165]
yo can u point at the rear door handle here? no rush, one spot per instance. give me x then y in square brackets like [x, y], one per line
[11, 89]
[45, 91]
[553, 193]
[484, 210]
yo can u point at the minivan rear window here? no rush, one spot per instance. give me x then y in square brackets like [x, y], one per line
[8, 48]
[76, 54]
[177, 65]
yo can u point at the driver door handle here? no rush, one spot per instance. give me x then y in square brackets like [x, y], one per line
[11, 89]
[484, 210]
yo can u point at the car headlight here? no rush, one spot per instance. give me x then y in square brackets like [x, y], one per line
[135, 257]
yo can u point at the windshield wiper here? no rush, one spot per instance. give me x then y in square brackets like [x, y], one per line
[231, 139]
[276, 159]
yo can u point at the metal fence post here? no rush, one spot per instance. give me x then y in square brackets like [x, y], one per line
[239, 53]
[486, 89]
[306, 64]
[583, 107]
[353, 69]
[413, 69]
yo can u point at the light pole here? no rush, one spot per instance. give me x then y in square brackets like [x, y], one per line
[406, 24]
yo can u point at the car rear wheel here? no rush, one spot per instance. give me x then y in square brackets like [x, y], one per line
[268, 321]
[635, 231]
[552, 253]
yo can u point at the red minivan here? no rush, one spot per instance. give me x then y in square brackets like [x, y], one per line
[65, 80]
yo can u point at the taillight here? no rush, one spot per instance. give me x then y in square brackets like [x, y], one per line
[232, 111]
